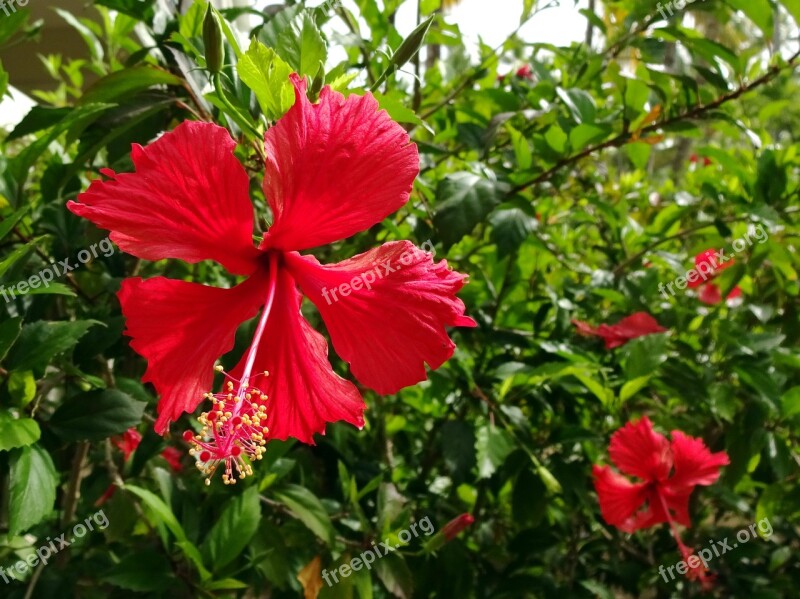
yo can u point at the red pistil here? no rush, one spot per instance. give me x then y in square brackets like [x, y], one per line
[698, 573]
[234, 430]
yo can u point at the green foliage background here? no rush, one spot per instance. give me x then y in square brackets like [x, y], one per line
[567, 195]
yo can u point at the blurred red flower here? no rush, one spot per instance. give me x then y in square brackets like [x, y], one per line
[630, 327]
[525, 72]
[669, 472]
[708, 267]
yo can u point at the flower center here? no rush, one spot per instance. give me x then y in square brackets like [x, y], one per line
[234, 430]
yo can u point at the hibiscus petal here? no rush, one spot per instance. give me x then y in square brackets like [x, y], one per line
[584, 328]
[678, 505]
[619, 498]
[393, 320]
[636, 325]
[710, 294]
[181, 329]
[334, 168]
[653, 513]
[188, 199]
[304, 393]
[638, 450]
[630, 327]
[694, 463]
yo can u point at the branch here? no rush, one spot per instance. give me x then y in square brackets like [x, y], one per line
[622, 138]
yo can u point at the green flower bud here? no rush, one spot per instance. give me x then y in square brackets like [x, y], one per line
[212, 39]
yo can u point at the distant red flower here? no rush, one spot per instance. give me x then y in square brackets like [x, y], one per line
[333, 169]
[708, 266]
[525, 72]
[452, 529]
[712, 295]
[630, 327]
[173, 456]
[127, 442]
[694, 159]
[669, 472]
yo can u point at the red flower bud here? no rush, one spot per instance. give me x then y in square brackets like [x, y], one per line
[456, 525]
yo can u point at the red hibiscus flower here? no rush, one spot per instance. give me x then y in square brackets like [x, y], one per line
[708, 267]
[127, 442]
[630, 327]
[694, 159]
[173, 457]
[333, 169]
[525, 72]
[669, 472]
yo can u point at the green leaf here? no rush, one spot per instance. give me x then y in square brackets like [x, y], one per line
[21, 164]
[9, 332]
[10, 221]
[522, 148]
[585, 134]
[12, 259]
[644, 355]
[138, 9]
[52, 289]
[462, 201]
[393, 104]
[395, 575]
[758, 11]
[96, 415]
[306, 507]
[510, 228]
[632, 387]
[302, 46]
[123, 84]
[790, 402]
[263, 71]
[493, 445]
[11, 23]
[793, 6]
[3, 81]
[17, 432]
[279, 21]
[234, 529]
[142, 571]
[580, 104]
[32, 487]
[21, 387]
[556, 139]
[37, 119]
[94, 45]
[165, 516]
[638, 153]
[411, 45]
[40, 341]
